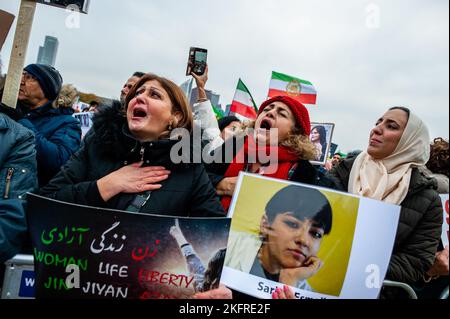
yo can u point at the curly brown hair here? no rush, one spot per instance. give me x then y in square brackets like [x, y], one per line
[66, 97]
[439, 156]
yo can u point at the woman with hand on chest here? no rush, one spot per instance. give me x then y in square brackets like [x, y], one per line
[126, 163]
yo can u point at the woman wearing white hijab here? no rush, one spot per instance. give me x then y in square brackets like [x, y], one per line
[387, 171]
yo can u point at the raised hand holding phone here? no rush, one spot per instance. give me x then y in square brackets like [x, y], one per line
[197, 61]
[201, 80]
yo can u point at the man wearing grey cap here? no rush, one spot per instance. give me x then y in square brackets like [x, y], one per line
[58, 134]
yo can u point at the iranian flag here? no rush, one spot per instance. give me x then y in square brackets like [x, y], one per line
[243, 106]
[218, 112]
[301, 90]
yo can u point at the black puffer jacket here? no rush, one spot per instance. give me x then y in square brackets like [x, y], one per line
[419, 229]
[187, 191]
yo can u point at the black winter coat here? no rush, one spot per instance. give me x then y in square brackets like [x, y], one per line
[419, 229]
[110, 146]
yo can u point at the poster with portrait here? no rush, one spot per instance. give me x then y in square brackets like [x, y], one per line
[321, 136]
[85, 119]
[323, 244]
[121, 255]
[445, 227]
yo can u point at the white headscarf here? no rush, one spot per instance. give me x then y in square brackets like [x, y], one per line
[388, 179]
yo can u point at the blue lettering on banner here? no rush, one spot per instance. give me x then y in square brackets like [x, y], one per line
[27, 284]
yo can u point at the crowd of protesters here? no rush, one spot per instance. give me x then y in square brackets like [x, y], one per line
[124, 163]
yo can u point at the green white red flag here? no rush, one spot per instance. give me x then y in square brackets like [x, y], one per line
[301, 90]
[243, 106]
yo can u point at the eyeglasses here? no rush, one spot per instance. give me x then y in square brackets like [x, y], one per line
[28, 77]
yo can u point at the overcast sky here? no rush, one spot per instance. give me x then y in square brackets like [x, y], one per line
[362, 56]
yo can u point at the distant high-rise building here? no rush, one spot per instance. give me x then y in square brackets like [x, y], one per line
[227, 110]
[215, 98]
[47, 53]
[187, 88]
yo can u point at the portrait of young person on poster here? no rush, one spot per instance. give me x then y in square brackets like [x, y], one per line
[308, 238]
[291, 234]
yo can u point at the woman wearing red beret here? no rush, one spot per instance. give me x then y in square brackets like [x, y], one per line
[276, 145]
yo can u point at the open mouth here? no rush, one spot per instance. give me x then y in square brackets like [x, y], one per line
[265, 125]
[138, 112]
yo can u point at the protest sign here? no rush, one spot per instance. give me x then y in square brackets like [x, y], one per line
[121, 255]
[322, 243]
[445, 227]
[6, 20]
[333, 149]
[321, 136]
[85, 119]
[81, 5]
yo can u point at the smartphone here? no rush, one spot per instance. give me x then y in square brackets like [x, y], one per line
[197, 61]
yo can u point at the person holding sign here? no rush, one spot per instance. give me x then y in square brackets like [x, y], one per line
[127, 164]
[295, 221]
[387, 171]
[279, 147]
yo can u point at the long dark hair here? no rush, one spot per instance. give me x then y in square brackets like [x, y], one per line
[323, 139]
[214, 270]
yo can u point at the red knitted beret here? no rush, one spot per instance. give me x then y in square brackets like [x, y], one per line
[300, 112]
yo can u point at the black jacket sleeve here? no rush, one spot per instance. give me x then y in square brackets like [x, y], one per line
[304, 173]
[222, 158]
[216, 173]
[205, 202]
[72, 184]
[338, 177]
[415, 256]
